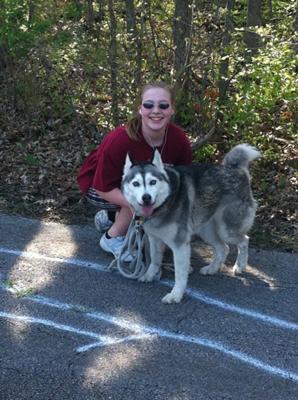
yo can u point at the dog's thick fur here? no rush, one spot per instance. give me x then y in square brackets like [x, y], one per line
[212, 201]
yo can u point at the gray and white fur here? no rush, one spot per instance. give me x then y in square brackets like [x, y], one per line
[212, 201]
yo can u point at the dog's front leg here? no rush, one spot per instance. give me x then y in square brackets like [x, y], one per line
[182, 268]
[156, 254]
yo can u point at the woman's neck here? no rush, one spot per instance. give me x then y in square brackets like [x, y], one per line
[154, 138]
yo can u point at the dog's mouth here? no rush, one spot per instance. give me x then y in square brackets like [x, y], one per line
[147, 210]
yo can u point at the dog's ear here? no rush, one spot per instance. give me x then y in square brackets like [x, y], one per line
[157, 161]
[128, 164]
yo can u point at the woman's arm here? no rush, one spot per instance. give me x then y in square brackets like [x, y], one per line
[114, 196]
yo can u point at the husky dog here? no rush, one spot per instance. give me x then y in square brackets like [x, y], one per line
[212, 201]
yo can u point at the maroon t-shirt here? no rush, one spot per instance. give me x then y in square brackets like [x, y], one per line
[103, 167]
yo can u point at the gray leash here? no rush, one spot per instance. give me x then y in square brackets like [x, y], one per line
[136, 244]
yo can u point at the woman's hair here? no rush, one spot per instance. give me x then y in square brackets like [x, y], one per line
[133, 126]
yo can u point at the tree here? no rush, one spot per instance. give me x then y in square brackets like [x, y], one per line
[113, 63]
[224, 64]
[31, 11]
[182, 39]
[135, 41]
[90, 14]
[254, 18]
[295, 25]
[130, 17]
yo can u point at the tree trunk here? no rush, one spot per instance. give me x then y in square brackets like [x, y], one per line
[295, 44]
[254, 18]
[254, 13]
[224, 64]
[154, 37]
[135, 40]
[4, 59]
[296, 18]
[31, 12]
[270, 9]
[130, 17]
[90, 14]
[98, 18]
[181, 37]
[113, 63]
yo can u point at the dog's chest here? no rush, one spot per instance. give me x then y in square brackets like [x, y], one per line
[163, 231]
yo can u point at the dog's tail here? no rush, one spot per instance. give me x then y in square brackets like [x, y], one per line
[241, 155]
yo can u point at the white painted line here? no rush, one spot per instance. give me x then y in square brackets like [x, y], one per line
[116, 341]
[46, 322]
[235, 309]
[102, 340]
[122, 323]
[142, 330]
[195, 294]
[70, 261]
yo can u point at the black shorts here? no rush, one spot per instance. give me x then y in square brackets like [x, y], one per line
[93, 198]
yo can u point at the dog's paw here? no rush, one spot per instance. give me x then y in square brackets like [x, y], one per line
[150, 276]
[208, 270]
[153, 273]
[172, 298]
[146, 278]
[237, 270]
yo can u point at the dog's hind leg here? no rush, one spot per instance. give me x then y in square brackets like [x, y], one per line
[156, 254]
[221, 250]
[182, 263]
[242, 257]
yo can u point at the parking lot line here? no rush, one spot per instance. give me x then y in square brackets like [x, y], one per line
[195, 294]
[142, 330]
[280, 323]
[102, 340]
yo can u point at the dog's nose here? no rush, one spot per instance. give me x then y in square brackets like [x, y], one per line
[146, 198]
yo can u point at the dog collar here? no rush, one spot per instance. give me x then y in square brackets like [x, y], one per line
[139, 220]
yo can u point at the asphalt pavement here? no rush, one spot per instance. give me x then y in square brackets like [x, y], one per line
[70, 330]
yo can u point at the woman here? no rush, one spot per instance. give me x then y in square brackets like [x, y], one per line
[101, 173]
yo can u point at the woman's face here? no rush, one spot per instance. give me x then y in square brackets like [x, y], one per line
[156, 110]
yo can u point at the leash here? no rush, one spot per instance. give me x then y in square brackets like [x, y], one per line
[136, 244]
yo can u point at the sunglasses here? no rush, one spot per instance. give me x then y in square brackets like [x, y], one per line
[149, 105]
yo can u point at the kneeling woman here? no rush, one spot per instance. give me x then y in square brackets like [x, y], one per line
[101, 173]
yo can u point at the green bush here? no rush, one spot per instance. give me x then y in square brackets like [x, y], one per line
[264, 104]
[17, 34]
[205, 152]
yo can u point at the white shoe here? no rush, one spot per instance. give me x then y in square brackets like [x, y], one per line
[101, 221]
[114, 245]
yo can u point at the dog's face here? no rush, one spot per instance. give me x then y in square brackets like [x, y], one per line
[145, 186]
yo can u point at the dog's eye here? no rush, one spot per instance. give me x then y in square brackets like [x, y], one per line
[136, 184]
[153, 182]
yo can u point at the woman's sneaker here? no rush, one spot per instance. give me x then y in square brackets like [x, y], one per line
[114, 245]
[101, 221]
